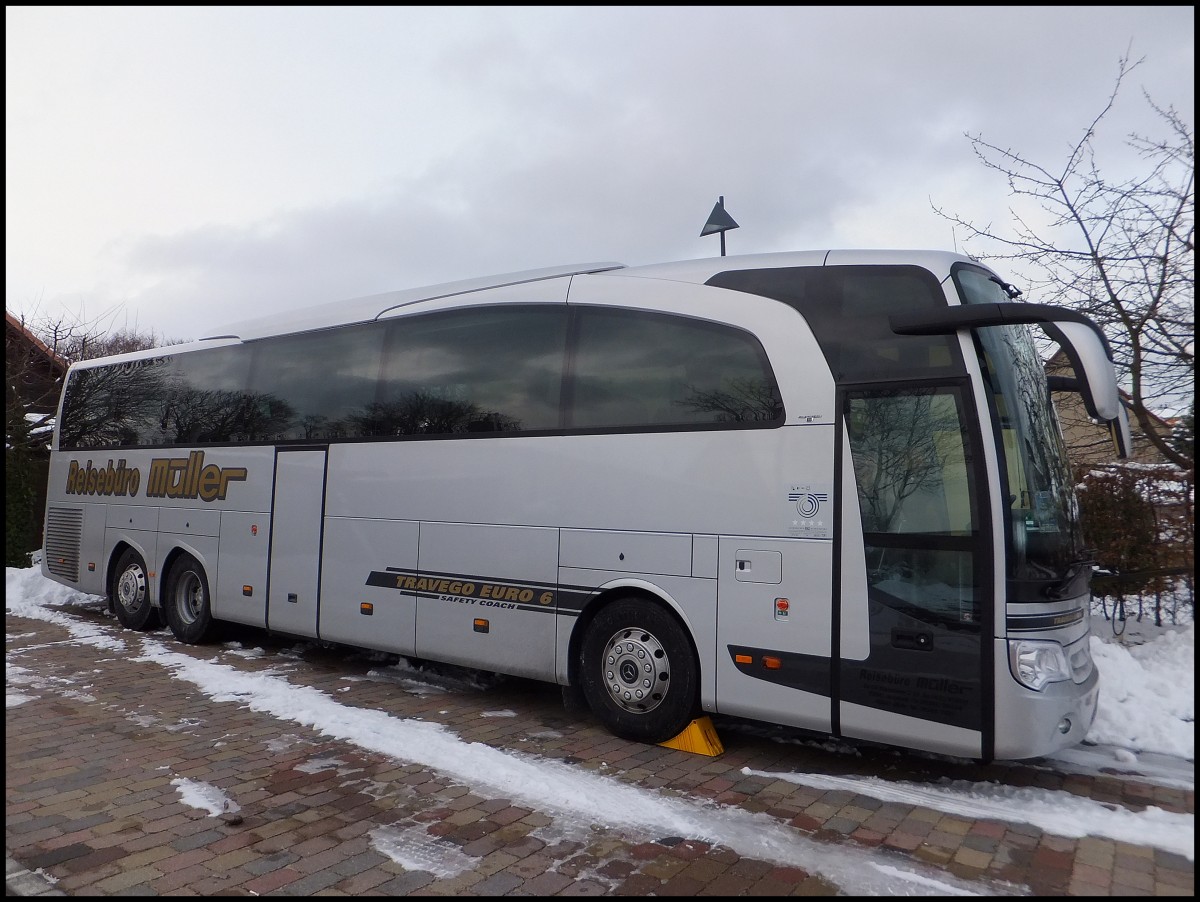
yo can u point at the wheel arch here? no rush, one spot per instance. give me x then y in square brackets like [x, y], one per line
[110, 570]
[119, 548]
[612, 591]
[178, 550]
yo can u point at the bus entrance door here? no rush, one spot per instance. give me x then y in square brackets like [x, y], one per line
[292, 594]
[912, 595]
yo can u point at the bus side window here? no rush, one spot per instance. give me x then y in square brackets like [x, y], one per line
[482, 370]
[638, 369]
[910, 456]
[294, 400]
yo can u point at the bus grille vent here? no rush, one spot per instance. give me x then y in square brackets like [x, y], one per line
[64, 526]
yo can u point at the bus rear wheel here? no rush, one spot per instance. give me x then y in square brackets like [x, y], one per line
[130, 593]
[638, 671]
[187, 602]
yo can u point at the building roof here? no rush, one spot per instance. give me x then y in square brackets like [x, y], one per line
[17, 329]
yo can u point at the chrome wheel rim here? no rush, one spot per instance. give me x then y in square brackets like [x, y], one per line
[637, 672]
[131, 588]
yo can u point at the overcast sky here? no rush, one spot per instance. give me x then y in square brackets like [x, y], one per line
[175, 169]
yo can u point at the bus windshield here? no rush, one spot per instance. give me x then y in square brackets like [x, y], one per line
[1044, 538]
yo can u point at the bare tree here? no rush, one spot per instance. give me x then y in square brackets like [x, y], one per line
[65, 340]
[1120, 251]
[36, 355]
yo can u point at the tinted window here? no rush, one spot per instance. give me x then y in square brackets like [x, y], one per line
[318, 385]
[480, 370]
[640, 369]
[913, 468]
[173, 399]
[111, 405]
[848, 307]
[205, 400]
[1044, 541]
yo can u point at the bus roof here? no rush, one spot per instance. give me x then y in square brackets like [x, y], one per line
[697, 271]
[364, 309]
[701, 270]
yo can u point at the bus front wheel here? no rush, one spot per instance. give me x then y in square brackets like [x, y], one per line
[130, 593]
[638, 671]
[187, 602]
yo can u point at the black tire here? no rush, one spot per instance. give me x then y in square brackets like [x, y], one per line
[129, 594]
[638, 671]
[187, 602]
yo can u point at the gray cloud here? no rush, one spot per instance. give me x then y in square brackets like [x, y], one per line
[276, 158]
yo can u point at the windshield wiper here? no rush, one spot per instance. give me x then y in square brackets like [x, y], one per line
[1061, 588]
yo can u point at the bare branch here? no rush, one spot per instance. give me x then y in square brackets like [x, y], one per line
[1120, 251]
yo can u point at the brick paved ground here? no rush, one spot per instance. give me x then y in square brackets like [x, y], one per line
[92, 810]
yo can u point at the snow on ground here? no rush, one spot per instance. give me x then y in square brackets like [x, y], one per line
[1145, 724]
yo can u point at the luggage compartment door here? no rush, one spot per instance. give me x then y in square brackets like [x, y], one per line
[486, 597]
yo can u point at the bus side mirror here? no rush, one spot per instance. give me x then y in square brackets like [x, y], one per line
[1080, 338]
[1097, 378]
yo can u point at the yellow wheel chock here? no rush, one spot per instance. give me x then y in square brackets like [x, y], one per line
[699, 737]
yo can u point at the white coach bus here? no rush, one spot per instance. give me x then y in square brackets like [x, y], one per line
[821, 489]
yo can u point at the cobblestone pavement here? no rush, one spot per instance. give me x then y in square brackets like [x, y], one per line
[95, 734]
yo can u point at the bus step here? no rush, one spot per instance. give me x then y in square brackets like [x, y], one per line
[699, 737]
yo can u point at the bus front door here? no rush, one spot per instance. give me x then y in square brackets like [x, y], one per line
[914, 599]
[297, 515]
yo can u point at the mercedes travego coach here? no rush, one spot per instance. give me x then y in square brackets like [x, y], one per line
[823, 489]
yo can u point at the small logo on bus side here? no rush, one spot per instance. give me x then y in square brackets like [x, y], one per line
[811, 517]
[808, 503]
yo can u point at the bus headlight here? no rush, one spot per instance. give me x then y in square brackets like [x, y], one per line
[1035, 663]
